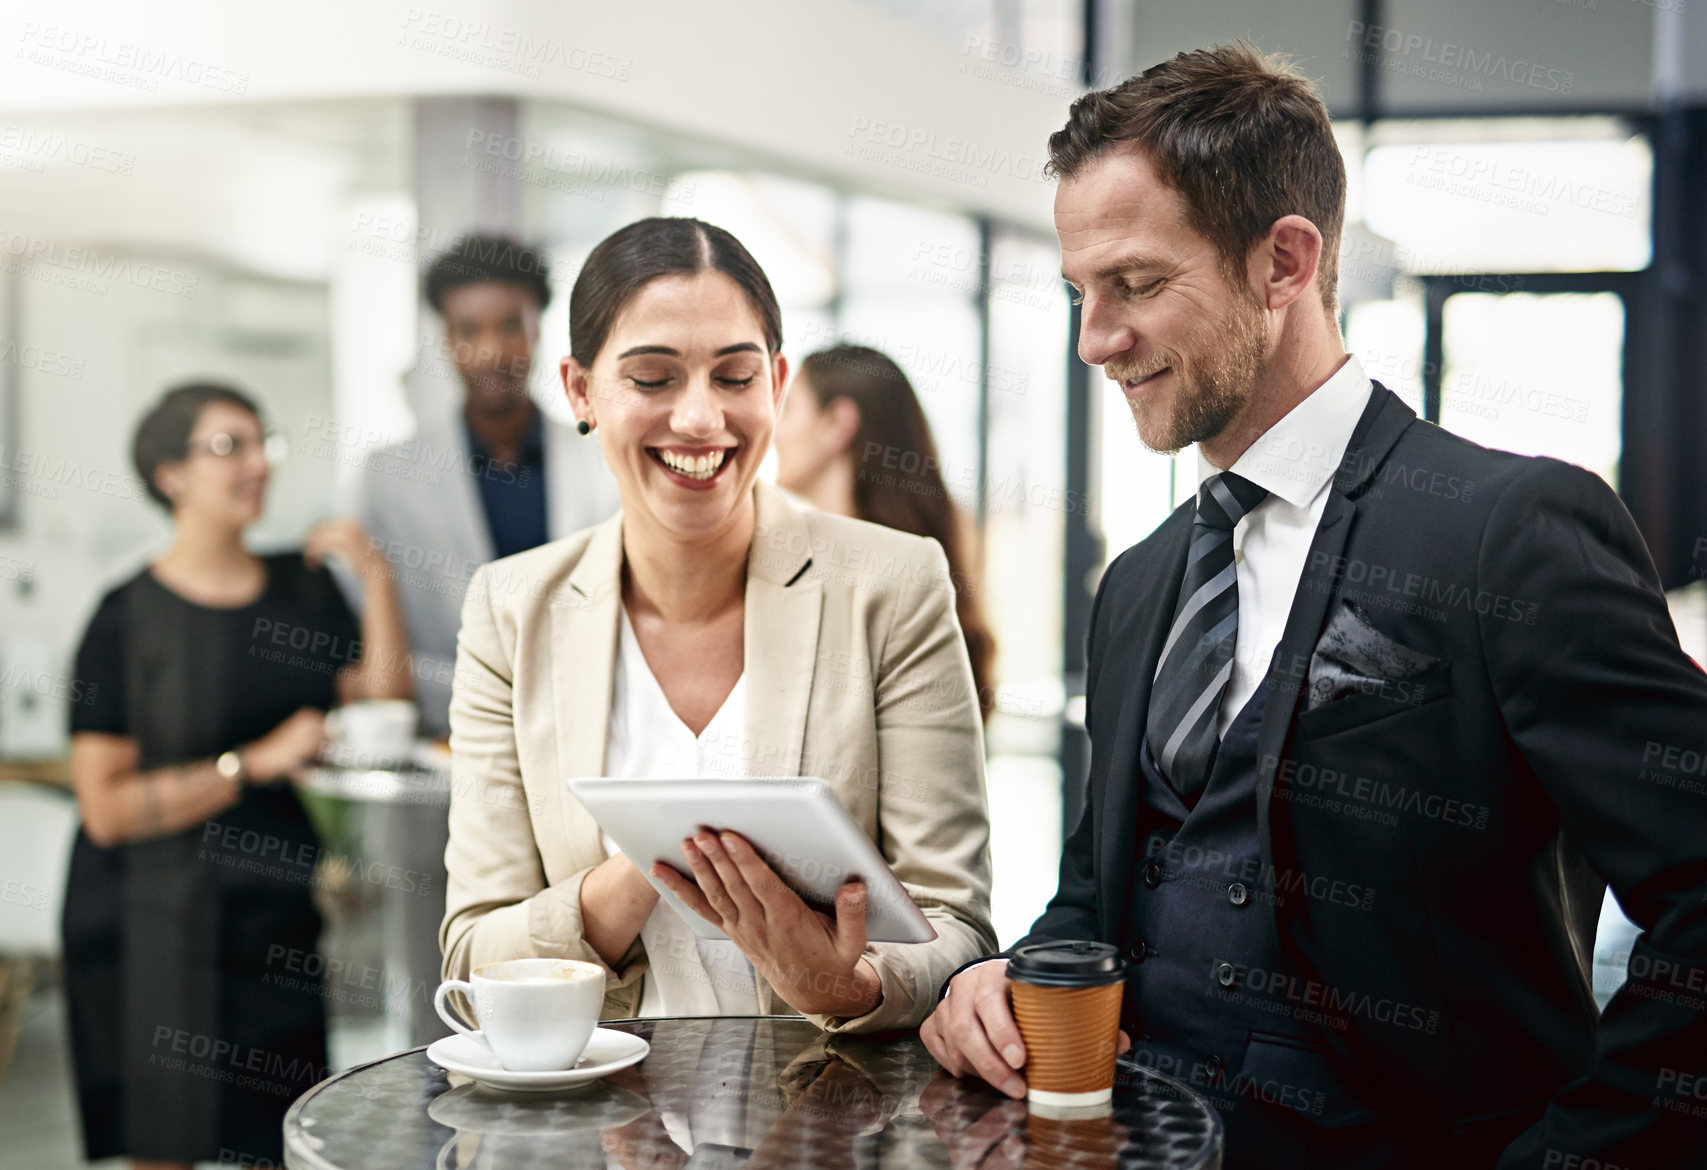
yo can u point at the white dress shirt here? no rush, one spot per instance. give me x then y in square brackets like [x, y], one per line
[1295, 460]
[648, 741]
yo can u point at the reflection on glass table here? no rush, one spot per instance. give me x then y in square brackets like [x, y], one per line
[757, 1092]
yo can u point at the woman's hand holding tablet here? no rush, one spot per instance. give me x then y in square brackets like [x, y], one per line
[815, 962]
[775, 864]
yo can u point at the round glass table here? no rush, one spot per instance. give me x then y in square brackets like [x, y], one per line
[730, 1092]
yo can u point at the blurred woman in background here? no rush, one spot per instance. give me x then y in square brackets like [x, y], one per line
[202, 687]
[853, 440]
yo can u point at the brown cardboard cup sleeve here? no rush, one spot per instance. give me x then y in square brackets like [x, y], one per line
[1066, 998]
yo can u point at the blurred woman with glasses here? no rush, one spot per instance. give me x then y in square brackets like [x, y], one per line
[201, 690]
[853, 440]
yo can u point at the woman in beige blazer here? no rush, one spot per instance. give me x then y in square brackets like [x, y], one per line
[834, 641]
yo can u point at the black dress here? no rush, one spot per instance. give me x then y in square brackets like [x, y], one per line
[194, 1023]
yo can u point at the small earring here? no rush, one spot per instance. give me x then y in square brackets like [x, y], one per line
[585, 427]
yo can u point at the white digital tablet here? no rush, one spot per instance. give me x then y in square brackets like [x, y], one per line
[796, 824]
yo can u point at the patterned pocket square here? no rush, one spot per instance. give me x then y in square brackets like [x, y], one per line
[1355, 658]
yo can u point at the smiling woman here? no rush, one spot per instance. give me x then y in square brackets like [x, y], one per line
[711, 629]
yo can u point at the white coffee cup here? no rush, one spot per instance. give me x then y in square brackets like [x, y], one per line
[535, 1014]
[372, 733]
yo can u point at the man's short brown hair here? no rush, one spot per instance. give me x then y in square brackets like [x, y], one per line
[1242, 137]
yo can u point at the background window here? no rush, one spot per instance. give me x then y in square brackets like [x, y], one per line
[1539, 374]
[1511, 195]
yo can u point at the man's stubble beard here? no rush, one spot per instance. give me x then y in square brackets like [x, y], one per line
[1226, 360]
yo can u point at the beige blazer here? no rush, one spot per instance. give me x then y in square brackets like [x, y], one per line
[856, 672]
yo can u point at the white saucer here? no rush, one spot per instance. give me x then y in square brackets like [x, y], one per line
[607, 1051]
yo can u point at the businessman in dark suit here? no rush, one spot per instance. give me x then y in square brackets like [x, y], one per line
[1374, 718]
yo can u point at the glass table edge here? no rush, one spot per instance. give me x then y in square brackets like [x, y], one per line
[1209, 1160]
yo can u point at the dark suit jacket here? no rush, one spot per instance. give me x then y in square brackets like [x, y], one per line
[1479, 808]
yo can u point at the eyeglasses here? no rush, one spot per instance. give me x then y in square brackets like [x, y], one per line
[274, 446]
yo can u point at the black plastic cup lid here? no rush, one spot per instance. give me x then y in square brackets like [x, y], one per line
[1069, 963]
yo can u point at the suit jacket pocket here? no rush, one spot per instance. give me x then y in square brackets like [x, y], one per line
[1391, 698]
[1283, 1073]
[1355, 658]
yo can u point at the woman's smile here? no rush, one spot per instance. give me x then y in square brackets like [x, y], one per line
[696, 468]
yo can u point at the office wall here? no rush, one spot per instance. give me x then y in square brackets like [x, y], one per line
[829, 86]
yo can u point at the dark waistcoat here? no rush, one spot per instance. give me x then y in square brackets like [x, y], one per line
[1211, 998]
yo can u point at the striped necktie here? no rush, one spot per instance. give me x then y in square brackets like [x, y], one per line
[1197, 660]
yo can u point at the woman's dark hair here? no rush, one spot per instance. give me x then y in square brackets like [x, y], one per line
[898, 479]
[632, 257]
[483, 259]
[163, 435]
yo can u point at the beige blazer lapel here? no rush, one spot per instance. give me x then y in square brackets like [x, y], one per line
[780, 645]
[781, 636]
[584, 623]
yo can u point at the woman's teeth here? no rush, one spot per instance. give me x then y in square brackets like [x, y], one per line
[694, 466]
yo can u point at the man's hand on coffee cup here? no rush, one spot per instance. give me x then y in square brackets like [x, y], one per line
[973, 1029]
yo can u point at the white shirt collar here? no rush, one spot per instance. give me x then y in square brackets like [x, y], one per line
[1296, 457]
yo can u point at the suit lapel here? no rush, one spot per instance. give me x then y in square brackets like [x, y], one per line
[1114, 803]
[781, 637]
[1384, 419]
[584, 625]
[448, 491]
[464, 514]
[1303, 627]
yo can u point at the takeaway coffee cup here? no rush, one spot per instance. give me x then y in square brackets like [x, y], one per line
[536, 1015]
[1067, 1003]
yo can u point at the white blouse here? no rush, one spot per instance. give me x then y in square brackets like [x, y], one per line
[646, 740]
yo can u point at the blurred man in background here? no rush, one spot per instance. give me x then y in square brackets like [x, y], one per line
[495, 478]
[487, 478]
